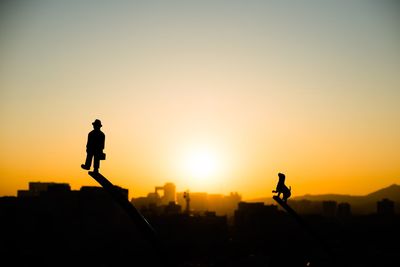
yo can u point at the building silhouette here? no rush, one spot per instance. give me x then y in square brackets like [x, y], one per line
[155, 199]
[169, 193]
[201, 202]
[385, 207]
[36, 188]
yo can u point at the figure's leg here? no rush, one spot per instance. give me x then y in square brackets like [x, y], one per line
[88, 161]
[96, 163]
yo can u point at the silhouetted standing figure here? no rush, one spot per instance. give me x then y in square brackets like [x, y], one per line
[94, 147]
[281, 188]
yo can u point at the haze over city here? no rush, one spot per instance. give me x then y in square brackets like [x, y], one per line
[214, 96]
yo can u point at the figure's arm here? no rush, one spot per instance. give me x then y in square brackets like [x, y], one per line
[103, 139]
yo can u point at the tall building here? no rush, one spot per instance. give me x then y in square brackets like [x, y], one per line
[169, 193]
[385, 207]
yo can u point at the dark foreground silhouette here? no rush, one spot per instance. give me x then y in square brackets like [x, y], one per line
[52, 225]
[94, 147]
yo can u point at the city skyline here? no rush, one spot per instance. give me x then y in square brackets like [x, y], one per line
[215, 97]
[101, 220]
[390, 191]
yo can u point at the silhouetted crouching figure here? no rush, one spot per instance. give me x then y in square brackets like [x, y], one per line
[94, 147]
[282, 188]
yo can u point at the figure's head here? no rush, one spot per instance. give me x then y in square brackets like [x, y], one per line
[97, 124]
[281, 176]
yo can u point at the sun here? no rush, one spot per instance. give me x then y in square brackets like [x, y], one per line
[202, 164]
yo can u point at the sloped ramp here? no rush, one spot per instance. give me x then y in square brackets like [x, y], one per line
[306, 227]
[296, 216]
[299, 220]
[144, 226]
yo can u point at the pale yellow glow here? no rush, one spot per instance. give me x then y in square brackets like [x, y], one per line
[202, 166]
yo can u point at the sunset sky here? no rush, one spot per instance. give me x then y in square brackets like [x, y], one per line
[214, 96]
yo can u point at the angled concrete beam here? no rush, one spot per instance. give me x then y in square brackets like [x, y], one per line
[162, 258]
[294, 214]
[307, 228]
[141, 222]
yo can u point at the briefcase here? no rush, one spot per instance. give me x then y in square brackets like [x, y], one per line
[102, 156]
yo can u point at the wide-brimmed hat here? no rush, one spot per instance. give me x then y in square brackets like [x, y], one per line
[97, 123]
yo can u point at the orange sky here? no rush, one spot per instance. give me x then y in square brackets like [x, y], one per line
[246, 90]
